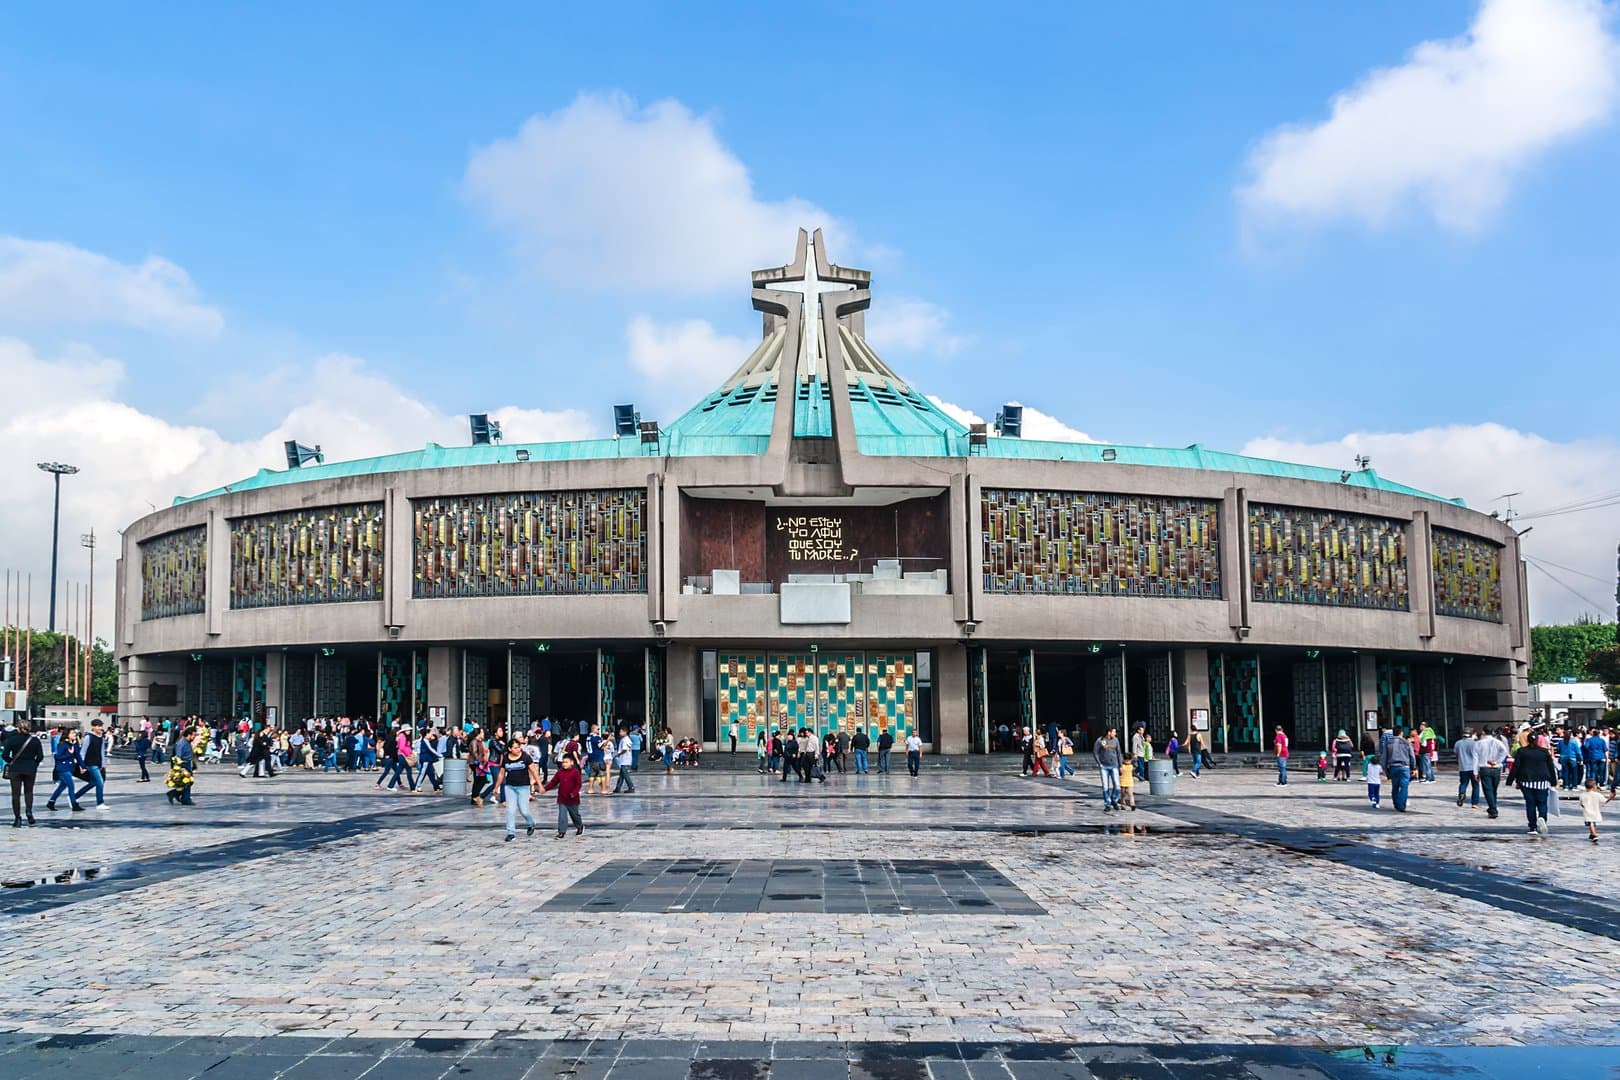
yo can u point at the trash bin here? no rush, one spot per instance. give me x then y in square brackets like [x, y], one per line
[455, 776]
[1161, 777]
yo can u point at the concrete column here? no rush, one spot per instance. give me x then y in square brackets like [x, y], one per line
[683, 692]
[653, 537]
[1191, 690]
[961, 528]
[1234, 558]
[275, 681]
[1366, 692]
[669, 539]
[1503, 682]
[399, 569]
[1420, 573]
[444, 683]
[218, 589]
[951, 698]
[135, 684]
[974, 510]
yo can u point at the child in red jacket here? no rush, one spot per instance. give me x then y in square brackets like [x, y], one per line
[567, 783]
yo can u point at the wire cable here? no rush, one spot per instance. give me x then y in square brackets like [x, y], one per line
[1599, 608]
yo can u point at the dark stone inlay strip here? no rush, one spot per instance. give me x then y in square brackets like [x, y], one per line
[821, 886]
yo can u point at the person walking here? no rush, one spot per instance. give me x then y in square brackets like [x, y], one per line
[861, 742]
[1279, 746]
[1065, 752]
[1106, 752]
[429, 755]
[93, 758]
[1172, 750]
[479, 765]
[567, 784]
[623, 758]
[885, 746]
[1489, 754]
[23, 754]
[1535, 774]
[1591, 807]
[843, 750]
[143, 750]
[513, 782]
[66, 769]
[913, 752]
[182, 771]
[1139, 752]
[733, 732]
[1343, 752]
[1468, 768]
[1038, 755]
[1195, 751]
[1399, 759]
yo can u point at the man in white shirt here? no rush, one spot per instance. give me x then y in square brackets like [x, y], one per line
[1490, 752]
[622, 756]
[1467, 767]
[913, 752]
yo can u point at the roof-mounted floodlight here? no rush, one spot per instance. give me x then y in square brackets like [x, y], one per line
[1110, 454]
[625, 419]
[978, 438]
[649, 431]
[1010, 421]
[299, 455]
[484, 430]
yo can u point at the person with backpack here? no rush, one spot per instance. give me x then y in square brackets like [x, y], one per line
[66, 769]
[23, 754]
[93, 758]
[596, 760]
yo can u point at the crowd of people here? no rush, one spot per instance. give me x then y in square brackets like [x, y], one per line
[811, 758]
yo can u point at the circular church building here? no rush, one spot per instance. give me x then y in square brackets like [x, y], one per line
[817, 543]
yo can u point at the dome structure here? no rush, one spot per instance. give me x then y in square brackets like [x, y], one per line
[817, 542]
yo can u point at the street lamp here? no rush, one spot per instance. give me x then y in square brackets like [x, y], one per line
[57, 470]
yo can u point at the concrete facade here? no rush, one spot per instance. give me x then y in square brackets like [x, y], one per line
[826, 473]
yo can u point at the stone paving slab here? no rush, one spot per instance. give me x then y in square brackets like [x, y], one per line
[1153, 933]
[654, 1060]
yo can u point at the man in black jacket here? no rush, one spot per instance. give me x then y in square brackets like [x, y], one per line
[94, 756]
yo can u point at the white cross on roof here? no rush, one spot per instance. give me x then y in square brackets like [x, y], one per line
[810, 288]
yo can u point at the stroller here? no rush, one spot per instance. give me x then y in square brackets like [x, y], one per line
[215, 753]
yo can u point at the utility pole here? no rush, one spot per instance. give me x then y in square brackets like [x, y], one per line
[88, 540]
[57, 471]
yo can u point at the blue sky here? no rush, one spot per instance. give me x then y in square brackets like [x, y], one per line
[1063, 205]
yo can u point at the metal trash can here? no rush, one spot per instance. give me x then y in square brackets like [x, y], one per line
[456, 781]
[1161, 777]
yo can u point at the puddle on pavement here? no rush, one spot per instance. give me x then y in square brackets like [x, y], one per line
[73, 876]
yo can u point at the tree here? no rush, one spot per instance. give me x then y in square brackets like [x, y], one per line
[1604, 665]
[1558, 652]
[48, 667]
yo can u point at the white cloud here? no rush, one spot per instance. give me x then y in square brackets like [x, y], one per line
[908, 325]
[685, 359]
[130, 461]
[1448, 129]
[1483, 461]
[605, 194]
[1037, 425]
[44, 281]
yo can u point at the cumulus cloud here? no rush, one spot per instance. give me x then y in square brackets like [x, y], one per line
[1479, 463]
[604, 193]
[46, 281]
[686, 358]
[904, 324]
[1037, 424]
[66, 406]
[1449, 129]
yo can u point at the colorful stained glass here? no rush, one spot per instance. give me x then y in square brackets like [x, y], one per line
[531, 544]
[1094, 544]
[174, 573]
[1467, 576]
[1304, 556]
[742, 696]
[323, 555]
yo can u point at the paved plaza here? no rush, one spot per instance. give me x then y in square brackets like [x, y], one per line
[947, 923]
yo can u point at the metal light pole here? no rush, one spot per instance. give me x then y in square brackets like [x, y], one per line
[89, 540]
[57, 470]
